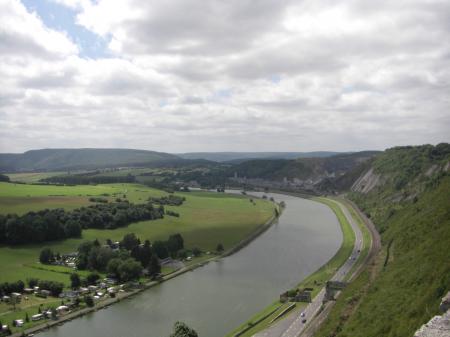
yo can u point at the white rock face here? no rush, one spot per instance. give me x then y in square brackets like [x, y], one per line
[366, 182]
[438, 326]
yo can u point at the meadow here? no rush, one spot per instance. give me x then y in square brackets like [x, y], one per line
[206, 219]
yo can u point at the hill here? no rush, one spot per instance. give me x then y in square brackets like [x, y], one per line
[405, 191]
[71, 159]
[243, 156]
[314, 169]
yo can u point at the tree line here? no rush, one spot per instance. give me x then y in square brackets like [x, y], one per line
[85, 179]
[55, 288]
[55, 224]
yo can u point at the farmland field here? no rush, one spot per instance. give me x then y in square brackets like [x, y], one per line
[32, 177]
[206, 219]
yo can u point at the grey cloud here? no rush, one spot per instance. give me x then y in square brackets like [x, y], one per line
[199, 27]
[383, 80]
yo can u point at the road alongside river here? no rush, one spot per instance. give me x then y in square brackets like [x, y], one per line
[294, 324]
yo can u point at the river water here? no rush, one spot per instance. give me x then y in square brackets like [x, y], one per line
[218, 297]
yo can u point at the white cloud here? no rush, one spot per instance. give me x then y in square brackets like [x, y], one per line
[247, 75]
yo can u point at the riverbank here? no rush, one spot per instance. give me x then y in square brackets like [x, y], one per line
[121, 296]
[316, 280]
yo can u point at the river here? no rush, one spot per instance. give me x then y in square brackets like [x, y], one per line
[218, 297]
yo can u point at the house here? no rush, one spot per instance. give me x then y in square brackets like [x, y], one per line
[4, 327]
[92, 288]
[62, 309]
[6, 299]
[84, 291]
[18, 322]
[37, 317]
[17, 296]
[43, 293]
[112, 290]
[28, 290]
[68, 294]
[110, 281]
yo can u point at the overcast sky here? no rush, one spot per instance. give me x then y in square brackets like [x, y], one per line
[215, 75]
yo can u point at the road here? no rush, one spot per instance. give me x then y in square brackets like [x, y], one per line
[292, 325]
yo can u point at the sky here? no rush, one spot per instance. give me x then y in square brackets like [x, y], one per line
[214, 75]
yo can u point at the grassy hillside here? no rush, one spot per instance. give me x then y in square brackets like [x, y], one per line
[65, 159]
[410, 205]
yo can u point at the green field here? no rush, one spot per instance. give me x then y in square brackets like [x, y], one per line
[206, 219]
[20, 198]
[32, 177]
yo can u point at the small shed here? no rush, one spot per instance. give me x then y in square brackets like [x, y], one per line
[62, 309]
[37, 317]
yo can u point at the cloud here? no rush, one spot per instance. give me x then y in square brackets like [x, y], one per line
[238, 75]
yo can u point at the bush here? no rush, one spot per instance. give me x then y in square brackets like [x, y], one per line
[89, 301]
[46, 256]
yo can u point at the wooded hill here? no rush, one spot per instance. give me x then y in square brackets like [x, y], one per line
[238, 157]
[72, 159]
[302, 168]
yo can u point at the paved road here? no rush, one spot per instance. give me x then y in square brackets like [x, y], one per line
[292, 325]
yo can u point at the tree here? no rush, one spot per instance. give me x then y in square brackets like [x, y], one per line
[180, 329]
[154, 266]
[113, 267]
[4, 178]
[72, 228]
[129, 270]
[75, 281]
[32, 282]
[89, 301]
[92, 278]
[196, 251]
[175, 243]
[46, 256]
[130, 241]
[220, 248]
[160, 249]
[54, 314]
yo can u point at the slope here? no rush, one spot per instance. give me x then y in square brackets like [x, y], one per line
[64, 159]
[406, 192]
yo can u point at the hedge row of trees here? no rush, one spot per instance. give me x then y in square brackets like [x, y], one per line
[4, 178]
[171, 200]
[78, 179]
[55, 288]
[55, 224]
